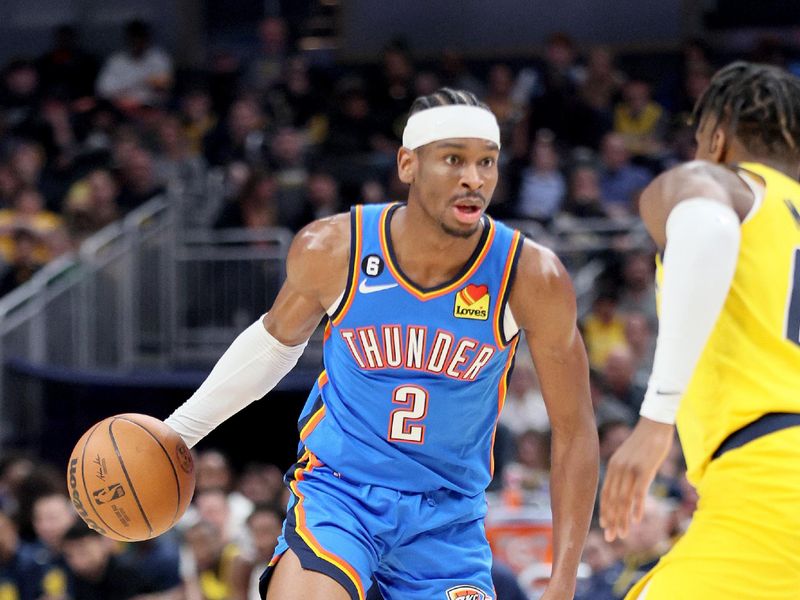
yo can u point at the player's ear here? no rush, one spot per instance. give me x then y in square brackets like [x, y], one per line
[406, 165]
[719, 145]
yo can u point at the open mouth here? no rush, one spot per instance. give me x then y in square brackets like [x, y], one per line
[467, 212]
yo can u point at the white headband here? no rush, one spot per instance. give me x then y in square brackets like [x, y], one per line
[452, 121]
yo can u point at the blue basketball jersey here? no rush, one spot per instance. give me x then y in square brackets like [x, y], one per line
[414, 379]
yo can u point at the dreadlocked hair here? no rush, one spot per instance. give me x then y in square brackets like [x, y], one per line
[759, 104]
[445, 97]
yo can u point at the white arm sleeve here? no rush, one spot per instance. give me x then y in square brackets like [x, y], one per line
[699, 263]
[253, 364]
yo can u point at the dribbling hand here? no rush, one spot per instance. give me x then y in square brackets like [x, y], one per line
[630, 472]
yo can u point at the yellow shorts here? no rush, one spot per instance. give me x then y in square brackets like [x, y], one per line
[744, 539]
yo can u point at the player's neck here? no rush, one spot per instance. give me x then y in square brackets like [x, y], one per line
[424, 251]
[788, 168]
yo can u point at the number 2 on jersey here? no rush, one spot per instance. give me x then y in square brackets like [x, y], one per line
[401, 422]
[793, 310]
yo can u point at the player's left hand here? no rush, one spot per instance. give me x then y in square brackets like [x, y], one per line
[630, 472]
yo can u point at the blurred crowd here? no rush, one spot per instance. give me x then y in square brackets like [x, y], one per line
[85, 140]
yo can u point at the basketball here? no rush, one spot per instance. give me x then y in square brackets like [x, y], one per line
[130, 477]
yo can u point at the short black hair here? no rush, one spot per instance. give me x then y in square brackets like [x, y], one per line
[272, 508]
[759, 104]
[446, 97]
[79, 531]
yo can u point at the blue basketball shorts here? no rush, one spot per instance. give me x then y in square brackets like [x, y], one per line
[413, 546]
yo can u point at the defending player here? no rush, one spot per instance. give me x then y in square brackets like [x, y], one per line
[424, 301]
[727, 364]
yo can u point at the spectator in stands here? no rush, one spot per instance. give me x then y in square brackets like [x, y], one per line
[501, 101]
[210, 560]
[197, 118]
[354, 130]
[640, 339]
[140, 75]
[241, 137]
[14, 470]
[604, 327]
[66, 70]
[266, 68]
[606, 407]
[605, 566]
[28, 213]
[619, 377]
[23, 263]
[601, 86]
[19, 96]
[583, 193]
[532, 467]
[96, 573]
[52, 515]
[288, 157]
[455, 74]
[296, 102]
[542, 186]
[91, 204]
[140, 182]
[524, 407]
[256, 206]
[214, 473]
[21, 575]
[264, 525]
[637, 293]
[212, 506]
[176, 163]
[620, 181]
[9, 185]
[157, 560]
[645, 543]
[260, 483]
[322, 196]
[28, 161]
[640, 120]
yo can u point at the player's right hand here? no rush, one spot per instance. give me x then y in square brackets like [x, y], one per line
[630, 472]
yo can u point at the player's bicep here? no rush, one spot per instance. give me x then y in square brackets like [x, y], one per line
[316, 271]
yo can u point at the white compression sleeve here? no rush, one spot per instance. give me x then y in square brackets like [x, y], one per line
[699, 263]
[251, 366]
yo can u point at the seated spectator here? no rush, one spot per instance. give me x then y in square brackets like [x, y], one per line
[542, 186]
[52, 516]
[322, 196]
[19, 96]
[583, 193]
[66, 70]
[647, 541]
[157, 559]
[639, 120]
[197, 118]
[601, 85]
[265, 68]
[606, 568]
[500, 101]
[96, 572]
[256, 206]
[23, 264]
[620, 181]
[531, 471]
[176, 163]
[288, 157]
[240, 137]
[637, 293]
[640, 339]
[296, 102]
[139, 179]
[260, 483]
[606, 407]
[619, 378]
[208, 564]
[524, 407]
[28, 213]
[28, 161]
[9, 185]
[91, 204]
[604, 327]
[264, 525]
[21, 576]
[140, 75]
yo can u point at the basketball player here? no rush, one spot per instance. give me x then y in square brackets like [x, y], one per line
[423, 303]
[727, 362]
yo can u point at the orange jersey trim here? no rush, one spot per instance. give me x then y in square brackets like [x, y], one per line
[320, 414]
[308, 537]
[357, 242]
[408, 285]
[498, 312]
[502, 388]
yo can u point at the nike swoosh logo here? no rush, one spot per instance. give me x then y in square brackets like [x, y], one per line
[368, 289]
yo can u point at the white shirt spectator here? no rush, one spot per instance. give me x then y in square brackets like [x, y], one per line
[126, 76]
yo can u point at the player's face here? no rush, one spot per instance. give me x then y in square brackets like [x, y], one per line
[454, 181]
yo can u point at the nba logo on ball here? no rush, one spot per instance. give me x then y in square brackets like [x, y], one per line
[466, 592]
[472, 302]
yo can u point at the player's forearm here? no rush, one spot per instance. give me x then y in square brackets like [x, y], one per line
[573, 485]
[253, 364]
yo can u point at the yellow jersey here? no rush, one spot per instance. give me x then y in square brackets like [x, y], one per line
[750, 364]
